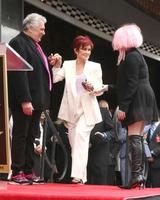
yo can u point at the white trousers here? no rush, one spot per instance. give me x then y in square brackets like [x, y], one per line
[79, 134]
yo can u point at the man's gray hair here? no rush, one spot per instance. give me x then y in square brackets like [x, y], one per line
[33, 20]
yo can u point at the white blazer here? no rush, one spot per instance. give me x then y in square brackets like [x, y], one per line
[90, 106]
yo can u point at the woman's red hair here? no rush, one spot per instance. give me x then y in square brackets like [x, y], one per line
[82, 41]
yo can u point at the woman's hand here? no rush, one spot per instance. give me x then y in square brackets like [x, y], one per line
[87, 86]
[98, 92]
[38, 149]
[121, 115]
[55, 60]
[102, 90]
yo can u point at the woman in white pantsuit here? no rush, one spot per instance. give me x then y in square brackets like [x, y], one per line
[79, 106]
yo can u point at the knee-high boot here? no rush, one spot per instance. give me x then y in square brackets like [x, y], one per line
[136, 155]
[136, 152]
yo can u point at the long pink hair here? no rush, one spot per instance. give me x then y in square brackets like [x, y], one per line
[126, 37]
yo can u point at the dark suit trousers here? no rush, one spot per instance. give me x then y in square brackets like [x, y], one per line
[98, 161]
[25, 129]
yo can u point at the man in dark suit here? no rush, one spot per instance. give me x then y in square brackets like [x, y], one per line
[29, 95]
[153, 139]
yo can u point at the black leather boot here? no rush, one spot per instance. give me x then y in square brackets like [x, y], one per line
[136, 150]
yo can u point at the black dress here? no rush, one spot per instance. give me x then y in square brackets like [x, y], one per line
[135, 95]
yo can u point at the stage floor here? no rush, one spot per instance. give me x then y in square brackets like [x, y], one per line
[57, 191]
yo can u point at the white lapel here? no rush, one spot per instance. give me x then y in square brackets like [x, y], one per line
[87, 70]
[73, 77]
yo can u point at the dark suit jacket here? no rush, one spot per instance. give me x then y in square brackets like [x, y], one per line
[106, 124]
[135, 95]
[103, 152]
[29, 86]
[155, 147]
[130, 71]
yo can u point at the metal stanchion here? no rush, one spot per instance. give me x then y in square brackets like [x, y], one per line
[43, 150]
[52, 163]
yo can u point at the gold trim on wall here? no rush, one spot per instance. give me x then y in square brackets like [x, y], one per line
[4, 115]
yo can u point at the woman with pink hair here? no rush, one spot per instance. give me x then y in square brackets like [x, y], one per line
[136, 99]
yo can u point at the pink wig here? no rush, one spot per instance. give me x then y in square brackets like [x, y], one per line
[126, 37]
